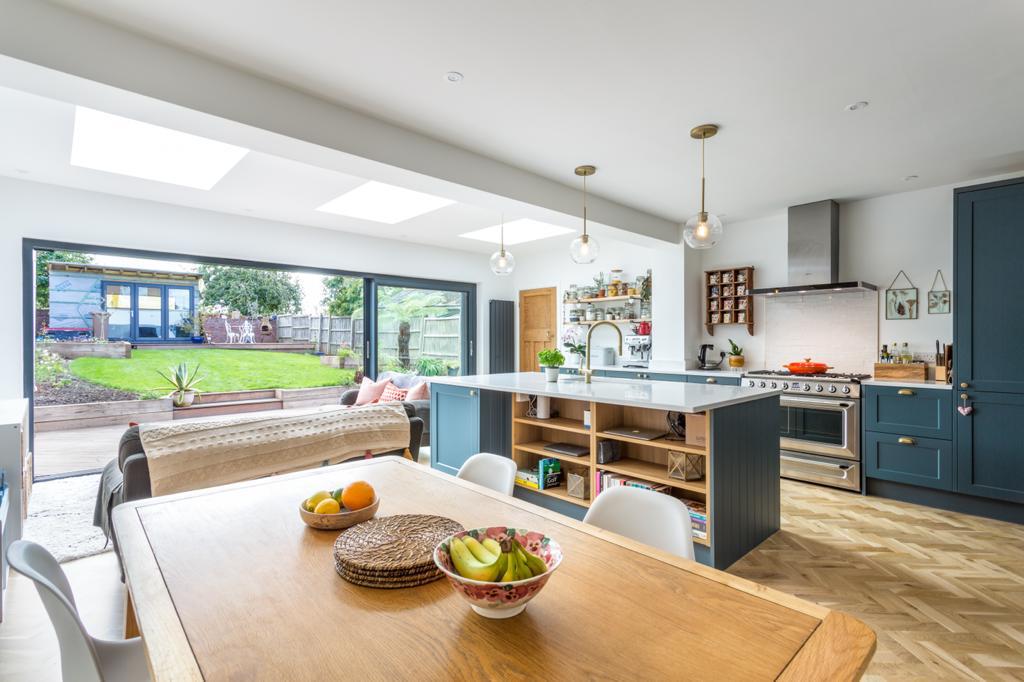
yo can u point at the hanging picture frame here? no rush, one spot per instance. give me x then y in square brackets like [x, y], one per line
[939, 300]
[901, 304]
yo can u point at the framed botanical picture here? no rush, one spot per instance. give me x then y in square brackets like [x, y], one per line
[938, 302]
[901, 304]
[939, 299]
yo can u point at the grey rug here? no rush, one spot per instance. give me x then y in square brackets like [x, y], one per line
[60, 517]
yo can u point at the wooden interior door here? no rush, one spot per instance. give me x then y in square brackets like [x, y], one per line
[538, 320]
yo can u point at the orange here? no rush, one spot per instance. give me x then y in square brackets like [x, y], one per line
[357, 495]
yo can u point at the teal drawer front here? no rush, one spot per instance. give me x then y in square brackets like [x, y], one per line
[707, 379]
[454, 426]
[909, 411]
[906, 459]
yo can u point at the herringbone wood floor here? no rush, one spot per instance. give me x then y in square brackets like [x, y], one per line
[944, 592]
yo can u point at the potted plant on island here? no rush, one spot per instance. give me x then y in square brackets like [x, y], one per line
[551, 359]
[735, 355]
[573, 342]
[183, 382]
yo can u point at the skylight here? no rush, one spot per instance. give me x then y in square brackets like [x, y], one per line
[116, 144]
[383, 203]
[517, 232]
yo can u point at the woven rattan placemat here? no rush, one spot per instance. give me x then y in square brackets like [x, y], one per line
[392, 551]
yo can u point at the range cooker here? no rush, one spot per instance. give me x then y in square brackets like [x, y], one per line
[819, 435]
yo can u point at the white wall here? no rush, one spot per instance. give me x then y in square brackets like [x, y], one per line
[667, 262]
[878, 237]
[56, 213]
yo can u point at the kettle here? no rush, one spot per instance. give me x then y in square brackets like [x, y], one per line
[702, 357]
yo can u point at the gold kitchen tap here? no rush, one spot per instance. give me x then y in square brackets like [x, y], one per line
[590, 332]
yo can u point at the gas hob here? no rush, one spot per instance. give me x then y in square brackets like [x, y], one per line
[826, 384]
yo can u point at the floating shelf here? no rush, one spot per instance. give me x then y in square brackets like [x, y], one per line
[629, 321]
[601, 299]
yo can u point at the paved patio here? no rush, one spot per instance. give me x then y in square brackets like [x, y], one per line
[75, 450]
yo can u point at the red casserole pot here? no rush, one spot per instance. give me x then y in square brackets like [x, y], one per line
[807, 367]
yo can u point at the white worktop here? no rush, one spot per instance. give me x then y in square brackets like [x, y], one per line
[662, 395]
[904, 383]
[666, 367]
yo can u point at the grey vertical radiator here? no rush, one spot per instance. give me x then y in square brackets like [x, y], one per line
[495, 407]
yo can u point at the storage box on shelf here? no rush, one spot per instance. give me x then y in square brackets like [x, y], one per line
[727, 298]
[644, 463]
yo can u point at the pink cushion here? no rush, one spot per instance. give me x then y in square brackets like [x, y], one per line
[370, 391]
[420, 391]
[392, 394]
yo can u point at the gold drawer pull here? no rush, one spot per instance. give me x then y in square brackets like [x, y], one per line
[711, 380]
[905, 391]
[903, 440]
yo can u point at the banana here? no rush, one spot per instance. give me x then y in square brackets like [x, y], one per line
[522, 570]
[510, 567]
[533, 562]
[479, 551]
[469, 566]
[492, 546]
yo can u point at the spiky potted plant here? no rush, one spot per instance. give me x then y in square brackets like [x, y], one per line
[735, 355]
[183, 382]
[551, 359]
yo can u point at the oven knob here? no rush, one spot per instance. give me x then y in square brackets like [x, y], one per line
[785, 385]
[807, 387]
[774, 385]
[846, 389]
[762, 384]
[832, 389]
[819, 388]
[750, 383]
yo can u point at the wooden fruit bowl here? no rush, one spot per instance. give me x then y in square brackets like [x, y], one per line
[342, 519]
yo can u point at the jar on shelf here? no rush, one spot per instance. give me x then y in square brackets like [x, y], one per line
[616, 276]
[598, 314]
[591, 311]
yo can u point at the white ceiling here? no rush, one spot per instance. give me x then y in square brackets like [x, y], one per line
[35, 144]
[549, 85]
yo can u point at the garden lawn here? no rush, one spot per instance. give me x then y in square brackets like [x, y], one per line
[223, 369]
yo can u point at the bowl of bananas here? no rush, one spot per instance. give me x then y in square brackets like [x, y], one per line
[498, 569]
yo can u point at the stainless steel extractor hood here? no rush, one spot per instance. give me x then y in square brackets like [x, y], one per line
[813, 252]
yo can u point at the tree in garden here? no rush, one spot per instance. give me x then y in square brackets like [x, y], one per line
[343, 296]
[43, 273]
[250, 291]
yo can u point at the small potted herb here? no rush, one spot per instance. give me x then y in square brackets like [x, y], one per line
[551, 359]
[183, 382]
[735, 355]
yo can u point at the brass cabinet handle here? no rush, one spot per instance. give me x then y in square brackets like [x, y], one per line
[905, 391]
[963, 396]
[472, 392]
[963, 384]
[711, 380]
[903, 440]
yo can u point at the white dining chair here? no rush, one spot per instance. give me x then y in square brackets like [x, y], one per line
[655, 519]
[82, 657]
[491, 471]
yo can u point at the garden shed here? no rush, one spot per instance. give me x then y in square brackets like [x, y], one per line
[144, 305]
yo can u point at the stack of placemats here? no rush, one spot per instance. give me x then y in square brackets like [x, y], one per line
[392, 551]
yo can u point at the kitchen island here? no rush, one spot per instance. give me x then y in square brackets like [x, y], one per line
[732, 432]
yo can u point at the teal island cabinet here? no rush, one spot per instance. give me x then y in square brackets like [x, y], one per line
[730, 449]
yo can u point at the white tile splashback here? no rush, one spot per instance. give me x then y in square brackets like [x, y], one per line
[838, 329]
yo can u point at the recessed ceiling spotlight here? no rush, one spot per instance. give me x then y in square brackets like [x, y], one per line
[856, 106]
[453, 77]
[908, 178]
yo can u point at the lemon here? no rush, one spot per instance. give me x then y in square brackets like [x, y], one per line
[328, 506]
[315, 499]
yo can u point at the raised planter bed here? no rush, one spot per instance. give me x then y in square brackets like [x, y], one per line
[85, 415]
[69, 350]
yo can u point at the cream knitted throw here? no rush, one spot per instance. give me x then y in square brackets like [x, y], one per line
[199, 453]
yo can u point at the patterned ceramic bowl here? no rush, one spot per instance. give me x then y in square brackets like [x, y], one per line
[500, 599]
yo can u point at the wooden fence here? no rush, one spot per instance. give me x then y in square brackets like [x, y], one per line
[432, 337]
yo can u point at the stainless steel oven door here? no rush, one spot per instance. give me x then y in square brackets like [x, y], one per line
[820, 426]
[838, 473]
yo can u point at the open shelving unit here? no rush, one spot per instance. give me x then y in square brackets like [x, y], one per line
[644, 460]
[727, 298]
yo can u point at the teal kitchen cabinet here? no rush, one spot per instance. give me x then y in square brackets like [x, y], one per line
[988, 367]
[454, 426]
[907, 459]
[711, 379]
[909, 411]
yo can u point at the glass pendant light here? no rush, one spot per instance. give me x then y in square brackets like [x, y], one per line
[584, 248]
[703, 230]
[502, 261]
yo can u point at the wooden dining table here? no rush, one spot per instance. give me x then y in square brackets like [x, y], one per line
[227, 583]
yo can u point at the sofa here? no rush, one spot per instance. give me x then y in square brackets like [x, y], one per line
[126, 477]
[406, 381]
